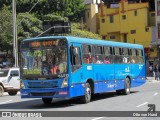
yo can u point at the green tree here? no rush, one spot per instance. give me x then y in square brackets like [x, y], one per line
[28, 26]
[78, 32]
[73, 9]
[6, 28]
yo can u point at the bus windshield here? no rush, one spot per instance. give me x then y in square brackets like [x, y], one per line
[44, 59]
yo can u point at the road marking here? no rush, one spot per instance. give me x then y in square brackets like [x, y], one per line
[142, 104]
[6, 102]
[98, 118]
[155, 94]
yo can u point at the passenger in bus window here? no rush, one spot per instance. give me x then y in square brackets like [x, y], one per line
[106, 60]
[125, 59]
[63, 63]
[132, 60]
[98, 61]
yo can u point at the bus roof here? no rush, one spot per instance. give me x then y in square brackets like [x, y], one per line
[71, 39]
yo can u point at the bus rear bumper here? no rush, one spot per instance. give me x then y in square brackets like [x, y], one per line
[45, 93]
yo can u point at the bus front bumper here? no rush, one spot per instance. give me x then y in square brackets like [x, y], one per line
[45, 93]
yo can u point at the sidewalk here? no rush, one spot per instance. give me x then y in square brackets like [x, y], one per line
[151, 79]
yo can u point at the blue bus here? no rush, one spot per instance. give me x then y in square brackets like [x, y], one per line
[68, 67]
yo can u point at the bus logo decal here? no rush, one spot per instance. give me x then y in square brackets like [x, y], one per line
[89, 67]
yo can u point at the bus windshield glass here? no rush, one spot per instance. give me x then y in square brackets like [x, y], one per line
[43, 58]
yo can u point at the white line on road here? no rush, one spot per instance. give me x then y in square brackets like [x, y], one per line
[6, 102]
[155, 94]
[98, 118]
[142, 104]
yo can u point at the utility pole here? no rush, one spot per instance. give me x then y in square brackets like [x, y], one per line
[15, 47]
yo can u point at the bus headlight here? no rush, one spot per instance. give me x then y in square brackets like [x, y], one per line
[65, 82]
[22, 84]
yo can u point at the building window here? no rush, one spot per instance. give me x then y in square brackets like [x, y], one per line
[133, 31]
[88, 14]
[112, 37]
[111, 19]
[135, 13]
[103, 20]
[123, 17]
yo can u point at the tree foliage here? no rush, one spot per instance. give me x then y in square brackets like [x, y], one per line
[78, 32]
[6, 29]
[28, 26]
[31, 14]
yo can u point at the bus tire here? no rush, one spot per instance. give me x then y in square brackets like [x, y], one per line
[119, 92]
[87, 97]
[11, 93]
[47, 100]
[126, 90]
[1, 90]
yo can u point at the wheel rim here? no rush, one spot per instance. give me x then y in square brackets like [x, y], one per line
[128, 86]
[88, 93]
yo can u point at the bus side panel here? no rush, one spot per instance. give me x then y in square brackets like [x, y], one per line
[104, 77]
[76, 90]
[104, 86]
[122, 70]
[139, 76]
[119, 84]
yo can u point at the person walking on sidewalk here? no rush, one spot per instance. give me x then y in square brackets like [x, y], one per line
[156, 72]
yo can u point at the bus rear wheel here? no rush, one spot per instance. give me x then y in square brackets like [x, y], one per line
[87, 97]
[126, 90]
[47, 100]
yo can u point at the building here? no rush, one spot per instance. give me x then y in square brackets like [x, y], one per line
[131, 21]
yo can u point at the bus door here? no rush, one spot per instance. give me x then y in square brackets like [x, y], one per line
[76, 72]
[76, 63]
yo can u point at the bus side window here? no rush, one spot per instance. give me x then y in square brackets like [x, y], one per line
[133, 57]
[98, 56]
[107, 55]
[117, 56]
[139, 55]
[75, 58]
[87, 54]
[125, 55]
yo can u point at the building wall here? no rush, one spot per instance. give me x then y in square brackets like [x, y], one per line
[129, 20]
[91, 17]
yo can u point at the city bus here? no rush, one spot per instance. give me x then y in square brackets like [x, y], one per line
[69, 67]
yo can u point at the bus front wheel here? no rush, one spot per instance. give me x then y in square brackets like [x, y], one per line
[47, 100]
[127, 86]
[87, 97]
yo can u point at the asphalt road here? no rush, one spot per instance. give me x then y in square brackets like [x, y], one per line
[138, 100]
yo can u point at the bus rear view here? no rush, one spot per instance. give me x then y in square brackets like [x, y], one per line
[44, 69]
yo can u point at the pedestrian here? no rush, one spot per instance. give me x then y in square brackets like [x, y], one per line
[151, 70]
[156, 72]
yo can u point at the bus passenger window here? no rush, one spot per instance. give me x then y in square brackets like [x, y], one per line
[87, 54]
[98, 55]
[107, 55]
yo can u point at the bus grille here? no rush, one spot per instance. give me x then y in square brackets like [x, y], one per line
[42, 84]
[43, 94]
